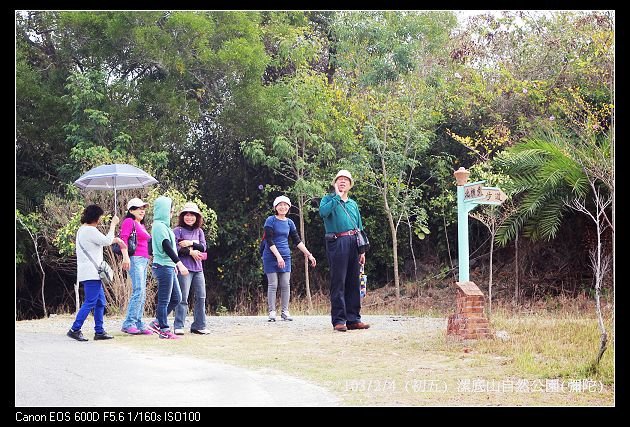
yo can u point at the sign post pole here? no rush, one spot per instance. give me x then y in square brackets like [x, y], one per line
[469, 320]
[469, 195]
[462, 225]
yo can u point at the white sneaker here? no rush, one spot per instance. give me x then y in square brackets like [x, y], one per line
[203, 331]
[272, 316]
[179, 331]
[286, 316]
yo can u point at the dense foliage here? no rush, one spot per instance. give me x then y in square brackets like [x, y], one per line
[233, 108]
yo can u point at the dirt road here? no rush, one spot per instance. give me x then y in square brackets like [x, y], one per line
[53, 370]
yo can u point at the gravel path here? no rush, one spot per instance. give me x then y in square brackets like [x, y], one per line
[53, 370]
[61, 323]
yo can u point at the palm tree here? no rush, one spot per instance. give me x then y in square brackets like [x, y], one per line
[556, 173]
[546, 177]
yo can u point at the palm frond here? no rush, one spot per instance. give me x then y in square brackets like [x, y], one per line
[545, 173]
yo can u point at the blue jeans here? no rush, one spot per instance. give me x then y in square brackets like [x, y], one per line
[138, 275]
[168, 293]
[94, 299]
[198, 283]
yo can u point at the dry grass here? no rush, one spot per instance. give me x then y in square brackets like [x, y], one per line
[433, 303]
[418, 365]
[543, 362]
[560, 344]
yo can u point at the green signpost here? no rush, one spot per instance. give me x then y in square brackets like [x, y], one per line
[469, 195]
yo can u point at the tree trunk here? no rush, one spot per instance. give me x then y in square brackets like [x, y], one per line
[392, 229]
[516, 290]
[39, 262]
[41, 267]
[603, 336]
[448, 246]
[388, 210]
[303, 234]
[599, 276]
[413, 254]
[44, 298]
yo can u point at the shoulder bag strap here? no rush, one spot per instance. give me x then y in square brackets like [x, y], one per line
[87, 254]
[133, 232]
[133, 229]
[347, 213]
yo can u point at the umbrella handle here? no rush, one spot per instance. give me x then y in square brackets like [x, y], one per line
[115, 201]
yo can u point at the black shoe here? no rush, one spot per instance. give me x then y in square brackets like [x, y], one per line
[203, 331]
[76, 335]
[103, 336]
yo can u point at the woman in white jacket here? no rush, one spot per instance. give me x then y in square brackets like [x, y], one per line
[91, 240]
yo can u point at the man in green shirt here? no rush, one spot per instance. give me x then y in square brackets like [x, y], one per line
[342, 221]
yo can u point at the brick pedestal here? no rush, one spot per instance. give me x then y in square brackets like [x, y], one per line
[469, 320]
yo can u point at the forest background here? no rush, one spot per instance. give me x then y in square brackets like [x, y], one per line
[233, 108]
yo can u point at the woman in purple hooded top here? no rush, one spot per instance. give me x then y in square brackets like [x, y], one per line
[191, 248]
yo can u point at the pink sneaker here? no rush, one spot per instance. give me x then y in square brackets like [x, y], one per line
[168, 335]
[146, 331]
[132, 330]
[154, 327]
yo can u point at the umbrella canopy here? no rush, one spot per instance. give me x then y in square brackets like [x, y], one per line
[114, 177]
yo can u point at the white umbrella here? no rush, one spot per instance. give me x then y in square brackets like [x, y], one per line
[116, 177]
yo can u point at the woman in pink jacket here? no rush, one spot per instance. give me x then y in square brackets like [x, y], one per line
[137, 265]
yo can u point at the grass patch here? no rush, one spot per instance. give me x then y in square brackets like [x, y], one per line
[414, 364]
[409, 361]
[552, 345]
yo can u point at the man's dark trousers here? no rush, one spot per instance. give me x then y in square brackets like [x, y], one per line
[343, 258]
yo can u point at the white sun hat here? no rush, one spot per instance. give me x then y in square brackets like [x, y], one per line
[281, 199]
[346, 173]
[136, 203]
[191, 207]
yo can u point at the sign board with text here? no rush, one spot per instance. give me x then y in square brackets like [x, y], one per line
[473, 190]
[469, 196]
[491, 196]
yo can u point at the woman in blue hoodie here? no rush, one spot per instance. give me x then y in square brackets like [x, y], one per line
[165, 266]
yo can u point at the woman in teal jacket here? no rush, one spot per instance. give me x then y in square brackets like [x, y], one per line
[165, 265]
